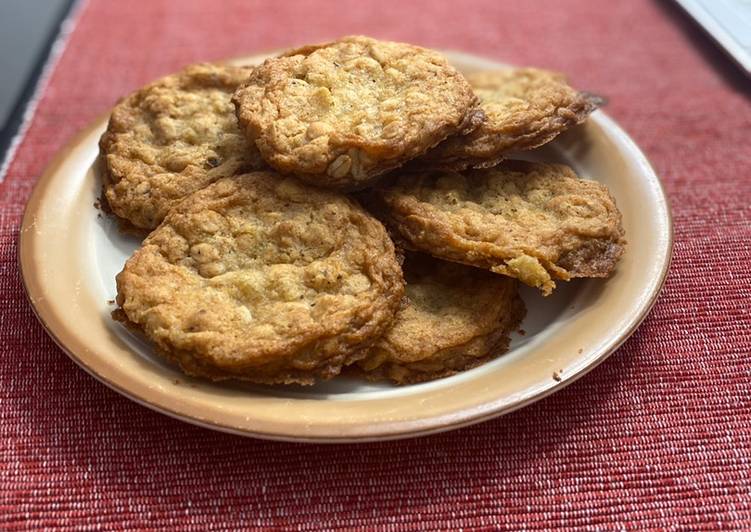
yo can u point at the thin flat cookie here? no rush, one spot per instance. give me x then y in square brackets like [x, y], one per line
[536, 222]
[171, 138]
[340, 114]
[262, 278]
[455, 317]
[524, 108]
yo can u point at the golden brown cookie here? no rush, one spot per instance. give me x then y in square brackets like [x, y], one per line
[340, 114]
[524, 108]
[536, 222]
[455, 317]
[171, 138]
[261, 278]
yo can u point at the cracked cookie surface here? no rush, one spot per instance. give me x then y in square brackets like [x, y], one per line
[524, 108]
[171, 138]
[340, 114]
[454, 317]
[261, 278]
[533, 221]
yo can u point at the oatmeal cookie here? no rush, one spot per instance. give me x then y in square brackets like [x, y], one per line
[533, 221]
[524, 108]
[261, 278]
[340, 114]
[455, 317]
[171, 138]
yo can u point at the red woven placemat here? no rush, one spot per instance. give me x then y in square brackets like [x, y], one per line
[658, 436]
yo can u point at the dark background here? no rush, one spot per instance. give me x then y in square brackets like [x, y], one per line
[27, 30]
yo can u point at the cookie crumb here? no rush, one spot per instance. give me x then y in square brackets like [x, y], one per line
[557, 376]
[110, 301]
[522, 332]
[580, 351]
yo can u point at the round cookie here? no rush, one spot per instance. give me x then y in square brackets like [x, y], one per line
[262, 278]
[171, 138]
[524, 108]
[340, 114]
[455, 317]
[533, 221]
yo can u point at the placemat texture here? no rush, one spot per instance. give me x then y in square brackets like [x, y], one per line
[658, 436]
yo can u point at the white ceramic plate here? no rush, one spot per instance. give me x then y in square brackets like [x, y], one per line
[70, 254]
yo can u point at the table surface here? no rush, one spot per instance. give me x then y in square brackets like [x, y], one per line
[658, 436]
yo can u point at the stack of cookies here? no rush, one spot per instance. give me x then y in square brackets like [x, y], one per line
[347, 205]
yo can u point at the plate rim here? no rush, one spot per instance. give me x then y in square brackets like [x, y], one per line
[399, 429]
